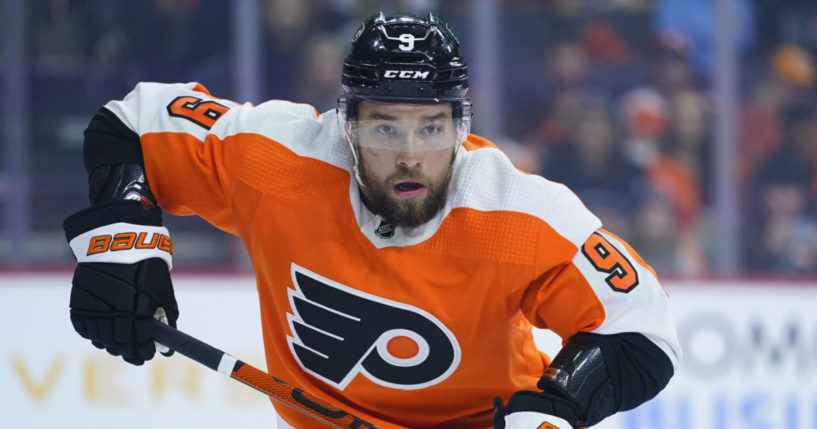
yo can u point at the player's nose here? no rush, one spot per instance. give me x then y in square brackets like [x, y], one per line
[408, 160]
[410, 155]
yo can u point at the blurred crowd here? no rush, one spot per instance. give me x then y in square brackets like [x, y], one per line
[615, 99]
[623, 112]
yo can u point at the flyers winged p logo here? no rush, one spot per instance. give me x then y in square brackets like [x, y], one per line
[339, 332]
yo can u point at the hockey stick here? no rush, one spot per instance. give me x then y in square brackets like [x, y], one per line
[223, 363]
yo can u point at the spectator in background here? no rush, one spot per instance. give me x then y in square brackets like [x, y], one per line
[782, 235]
[645, 114]
[615, 66]
[318, 84]
[287, 24]
[591, 163]
[59, 40]
[796, 158]
[689, 138]
[794, 64]
[800, 251]
[567, 66]
[524, 158]
[655, 230]
[695, 20]
[646, 119]
[671, 68]
[549, 108]
[668, 248]
[785, 238]
[175, 45]
[789, 72]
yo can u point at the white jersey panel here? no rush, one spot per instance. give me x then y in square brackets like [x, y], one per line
[296, 126]
[490, 182]
[144, 110]
[644, 309]
[299, 128]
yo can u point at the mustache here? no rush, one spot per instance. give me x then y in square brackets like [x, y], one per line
[406, 173]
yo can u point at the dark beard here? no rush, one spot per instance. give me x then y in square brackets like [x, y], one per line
[404, 212]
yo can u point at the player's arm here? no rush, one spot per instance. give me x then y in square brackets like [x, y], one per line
[122, 279]
[592, 377]
[124, 252]
[621, 347]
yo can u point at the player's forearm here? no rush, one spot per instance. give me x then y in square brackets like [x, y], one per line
[113, 159]
[594, 376]
[605, 374]
[109, 141]
[123, 252]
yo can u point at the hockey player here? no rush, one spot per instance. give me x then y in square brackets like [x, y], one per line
[401, 262]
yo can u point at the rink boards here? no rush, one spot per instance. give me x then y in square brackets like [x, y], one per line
[750, 360]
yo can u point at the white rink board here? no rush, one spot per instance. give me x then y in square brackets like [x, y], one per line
[750, 361]
[52, 378]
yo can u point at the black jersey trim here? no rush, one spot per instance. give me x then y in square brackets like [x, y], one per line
[604, 374]
[638, 368]
[109, 141]
[108, 213]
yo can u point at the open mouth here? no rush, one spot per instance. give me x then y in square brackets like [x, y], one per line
[409, 189]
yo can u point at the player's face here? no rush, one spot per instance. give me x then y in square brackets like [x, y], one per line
[406, 157]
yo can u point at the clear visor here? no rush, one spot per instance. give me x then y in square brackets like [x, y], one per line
[408, 135]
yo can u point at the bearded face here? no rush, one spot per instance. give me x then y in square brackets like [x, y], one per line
[406, 158]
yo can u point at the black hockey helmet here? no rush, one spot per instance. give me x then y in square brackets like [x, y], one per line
[405, 58]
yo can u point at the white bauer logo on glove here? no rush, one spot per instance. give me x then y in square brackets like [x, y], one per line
[534, 420]
[123, 243]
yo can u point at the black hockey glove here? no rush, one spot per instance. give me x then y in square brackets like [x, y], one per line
[528, 409]
[122, 280]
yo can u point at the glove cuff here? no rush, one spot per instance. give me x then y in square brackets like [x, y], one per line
[544, 403]
[127, 211]
[119, 232]
[532, 419]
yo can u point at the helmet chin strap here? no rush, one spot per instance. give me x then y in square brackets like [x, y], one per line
[356, 171]
[355, 156]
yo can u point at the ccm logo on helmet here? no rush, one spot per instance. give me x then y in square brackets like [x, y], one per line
[129, 240]
[339, 332]
[406, 74]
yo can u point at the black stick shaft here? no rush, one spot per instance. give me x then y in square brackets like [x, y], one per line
[223, 363]
[193, 348]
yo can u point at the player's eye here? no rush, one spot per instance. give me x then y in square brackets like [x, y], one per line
[385, 130]
[432, 130]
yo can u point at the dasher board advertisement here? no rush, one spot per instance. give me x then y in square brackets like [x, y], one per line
[750, 360]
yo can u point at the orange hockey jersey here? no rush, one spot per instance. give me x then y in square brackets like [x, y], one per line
[406, 327]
